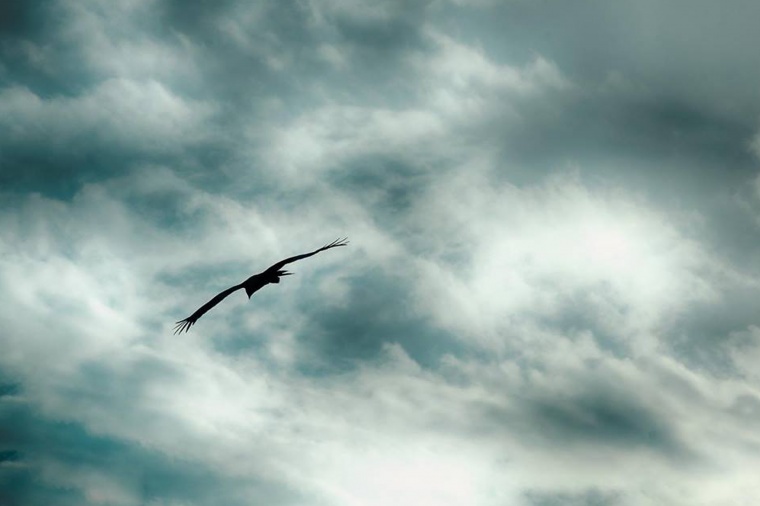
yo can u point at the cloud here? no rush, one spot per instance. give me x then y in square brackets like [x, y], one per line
[126, 42]
[548, 296]
[124, 112]
[755, 145]
[270, 422]
[536, 252]
[589, 498]
[455, 88]
[61, 138]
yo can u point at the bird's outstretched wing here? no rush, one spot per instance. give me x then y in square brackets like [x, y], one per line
[255, 282]
[335, 244]
[190, 320]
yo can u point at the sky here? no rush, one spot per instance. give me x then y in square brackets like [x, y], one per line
[550, 295]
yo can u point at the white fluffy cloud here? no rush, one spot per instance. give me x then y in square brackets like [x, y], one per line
[458, 93]
[118, 114]
[528, 253]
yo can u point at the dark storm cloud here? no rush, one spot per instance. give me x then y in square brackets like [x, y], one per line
[8, 389]
[69, 118]
[298, 51]
[242, 50]
[588, 498]
[602, 413]
[388, 186]
[604, 418]
[664, 100]
[20, 21]
[614, 135]
[224, 55]
[61, 462]
[32, 51]
[683, 48]
[339, 341]
[58, 158]
[275, 53]
[706, 336]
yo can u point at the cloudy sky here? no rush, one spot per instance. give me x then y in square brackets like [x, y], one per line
[550, 296]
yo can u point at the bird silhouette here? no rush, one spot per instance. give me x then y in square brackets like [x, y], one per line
[252, 284]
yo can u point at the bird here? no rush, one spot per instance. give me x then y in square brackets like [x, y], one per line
[252, 284]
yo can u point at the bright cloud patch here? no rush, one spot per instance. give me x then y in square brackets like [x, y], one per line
[528, 254]
[118, 113]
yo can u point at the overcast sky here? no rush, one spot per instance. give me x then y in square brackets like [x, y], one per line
[550, 296]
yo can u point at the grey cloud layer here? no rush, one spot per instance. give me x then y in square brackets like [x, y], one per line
[553, 210]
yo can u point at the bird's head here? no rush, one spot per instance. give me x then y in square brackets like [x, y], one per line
[278, 274]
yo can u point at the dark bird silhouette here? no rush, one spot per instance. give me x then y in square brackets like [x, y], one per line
[252, 284]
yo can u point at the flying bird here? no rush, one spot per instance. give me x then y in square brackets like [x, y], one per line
[252, 284]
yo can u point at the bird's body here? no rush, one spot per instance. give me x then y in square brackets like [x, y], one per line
[252, 284]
